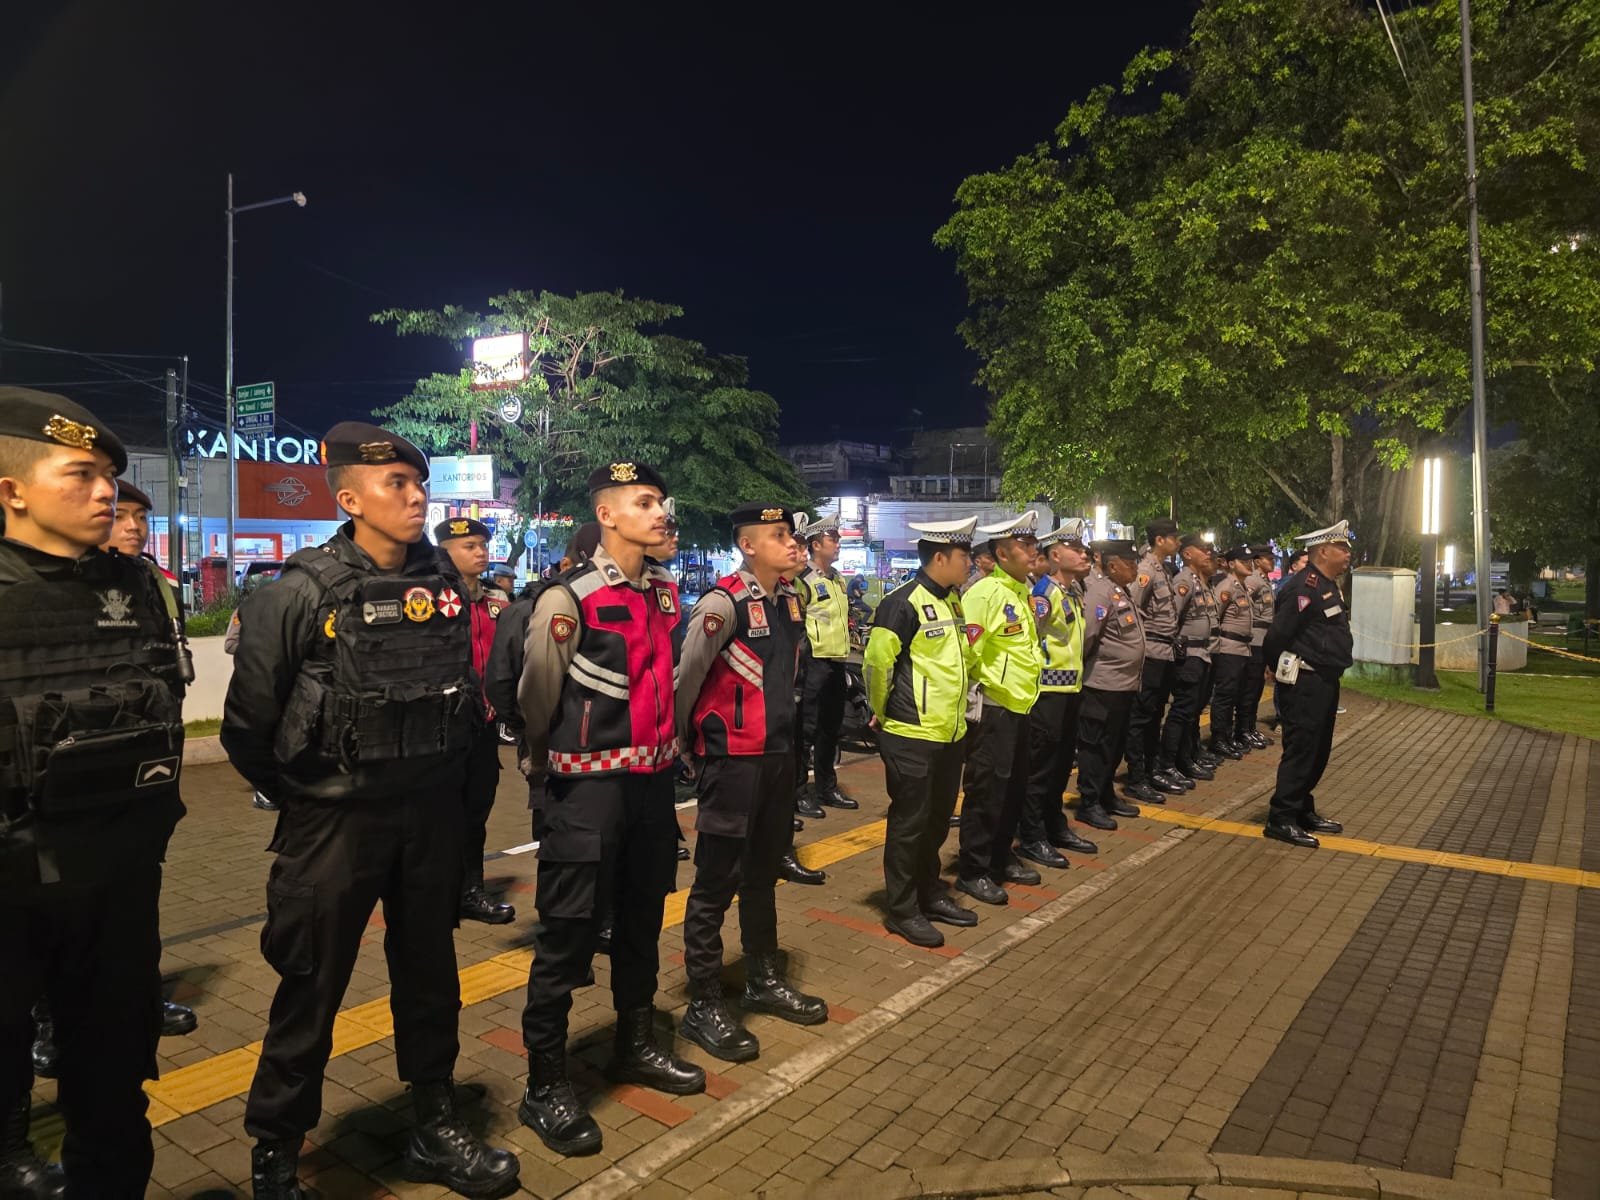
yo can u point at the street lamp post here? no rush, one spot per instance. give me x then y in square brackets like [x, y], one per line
[296, 198]
[1432, 473]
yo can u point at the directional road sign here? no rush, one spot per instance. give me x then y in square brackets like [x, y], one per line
[255, 408]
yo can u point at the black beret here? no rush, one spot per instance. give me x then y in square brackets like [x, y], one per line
[359, 444]
[1261, 550]
[47, 417]
[128, 494]
[1191, 541]
[460, 527]
[1164, 527]
[760, 513]
[1236, 552]
[1116, 548]
[618, 474]
[584, 542]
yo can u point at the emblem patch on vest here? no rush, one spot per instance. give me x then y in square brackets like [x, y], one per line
[449, 603]
[1041, 607]
[418, 604]
[116, 609]
[758, 620]
[381, 612]
[794, 607]
[1144, 580]
[664, 600]
[930, 612]
[822, 591]
[711, 622]
[974, 632]
[155, 772]
[327, 626]
[1302, 603]
[494, 607]
[562, 627]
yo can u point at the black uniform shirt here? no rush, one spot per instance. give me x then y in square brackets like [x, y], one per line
[282, 629]
[1313, 621]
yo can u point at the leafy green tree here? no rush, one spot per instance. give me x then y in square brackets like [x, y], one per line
[1236, 283]
[602, 385]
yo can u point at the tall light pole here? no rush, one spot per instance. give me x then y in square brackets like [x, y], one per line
[297, 198]
[1432, 488]
[1480, 419]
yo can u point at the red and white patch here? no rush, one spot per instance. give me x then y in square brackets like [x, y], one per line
[494, 607]
[449, 603]
[1302, 603]
[974, 632]
[562, 627]
[711, 622]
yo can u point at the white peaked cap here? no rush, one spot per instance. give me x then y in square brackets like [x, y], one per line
[954, 532]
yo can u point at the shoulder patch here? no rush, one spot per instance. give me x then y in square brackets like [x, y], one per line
[1302, 603]
[562, 627]
[711, 622]
[1311, 579]
[974, 632]
[1041, 607]
[1183, 589]
[1144, 580]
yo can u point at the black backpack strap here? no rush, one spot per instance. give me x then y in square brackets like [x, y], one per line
[336, 578]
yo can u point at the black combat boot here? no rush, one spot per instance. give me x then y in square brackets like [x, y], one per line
[442, 1149]
[272, 1171]
[639, 1060]
[177, 1019]
[793, 870]
[806, 804]
[478, 905]
[22, 1174]
[45, 1055]
[766, 990]
[709, 1024]
[551, 1108]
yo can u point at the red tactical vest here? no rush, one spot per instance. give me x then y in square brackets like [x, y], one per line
[616, 709]
[746, 705]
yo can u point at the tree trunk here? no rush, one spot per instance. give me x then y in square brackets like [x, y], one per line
[1336, 481]
[1591, 584]
[1388, 507]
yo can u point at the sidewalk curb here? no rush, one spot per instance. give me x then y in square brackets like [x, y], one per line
[653, 1159]
[1084, 1170]
[202, 751]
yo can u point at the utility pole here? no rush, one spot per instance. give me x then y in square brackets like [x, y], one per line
[1480, 419]
[227, 391]
[174, 544]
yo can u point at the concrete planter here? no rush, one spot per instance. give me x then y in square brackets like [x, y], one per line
[1460, 653]
[213, 668]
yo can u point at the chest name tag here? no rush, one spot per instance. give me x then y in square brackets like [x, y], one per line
[614, 612]
[381, 612]
[1011, 630]
[758, 620]
[1332, 611]
[937, 631]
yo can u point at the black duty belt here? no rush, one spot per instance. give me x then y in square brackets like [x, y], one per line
[1260, 624]
[1197, 643]
[1233, 637]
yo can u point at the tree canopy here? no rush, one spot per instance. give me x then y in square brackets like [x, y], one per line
[608, 386]
[1234, 286]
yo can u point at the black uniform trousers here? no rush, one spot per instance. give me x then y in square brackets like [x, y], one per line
[1309, 707]
[821, 716]
[745, 823]
[1183, 717]
[337, 859]
[1227, 689]
[1053, 738]
[1144, 725]
[1102, 741]
[1255, 682]
[998, 767]
[95, 952]
[1191, 744]
[477, 798]
[922, 779]
[609, 852]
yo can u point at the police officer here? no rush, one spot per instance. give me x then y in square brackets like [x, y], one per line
[983, 564]
[828, 642]
[87, 644]
[1113, 656]
[1196, 609]
[1259, 585]
[466, 541]
[353, 704]
[1005, 642]
[736, 715]
[1043, 831]
[917, 665]
[1231, 656]
[1152, 593]
[1311, 628]
[599, 719]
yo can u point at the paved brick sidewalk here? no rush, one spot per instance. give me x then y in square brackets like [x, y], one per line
[1184, 992]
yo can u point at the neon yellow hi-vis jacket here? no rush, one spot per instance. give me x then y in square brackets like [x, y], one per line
[827, 613]
[1000, 627]
[918, 663]
[1058, 612]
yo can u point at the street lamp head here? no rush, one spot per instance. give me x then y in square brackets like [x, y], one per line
[300, 199]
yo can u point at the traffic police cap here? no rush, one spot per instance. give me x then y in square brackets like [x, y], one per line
[1027, 525]
[128, 494]
[760, 513]
[359, 444]
[945, 533]
[1191, 541]
[1117, 548]
[1324, 537]
[459, 527]
[47, 417]
[809, 529]
[1068, 533]
[620, 474]
[1164, 527]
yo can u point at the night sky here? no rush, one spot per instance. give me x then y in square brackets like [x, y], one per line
[778, 176]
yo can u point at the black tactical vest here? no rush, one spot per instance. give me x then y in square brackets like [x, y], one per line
[90, 715]
[389, 685]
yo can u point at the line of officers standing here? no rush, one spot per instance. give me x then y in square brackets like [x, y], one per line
[356, 706]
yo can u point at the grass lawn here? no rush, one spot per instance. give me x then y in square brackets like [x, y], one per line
[207, 728]
[1536, 701]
